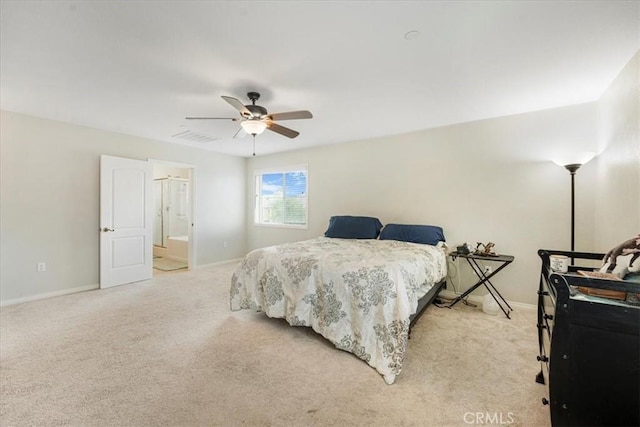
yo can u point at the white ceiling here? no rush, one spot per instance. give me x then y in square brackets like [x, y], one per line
[140, 67]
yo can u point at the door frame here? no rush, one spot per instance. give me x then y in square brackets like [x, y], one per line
[191, 244]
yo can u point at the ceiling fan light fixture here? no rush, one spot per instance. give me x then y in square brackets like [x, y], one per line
[253, 127]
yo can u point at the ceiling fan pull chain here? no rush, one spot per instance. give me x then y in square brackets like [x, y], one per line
[254, 145]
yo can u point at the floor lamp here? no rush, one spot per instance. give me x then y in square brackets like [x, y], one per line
[572, 168]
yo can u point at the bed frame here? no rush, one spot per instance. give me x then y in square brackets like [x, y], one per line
[426, 301]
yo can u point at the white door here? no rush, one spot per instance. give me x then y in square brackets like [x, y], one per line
[126, 221]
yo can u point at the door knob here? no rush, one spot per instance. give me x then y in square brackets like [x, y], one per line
[105, 229]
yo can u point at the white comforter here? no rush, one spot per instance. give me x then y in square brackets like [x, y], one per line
[358, 294]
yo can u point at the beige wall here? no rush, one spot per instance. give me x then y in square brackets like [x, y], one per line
[49, 207]
[491, 180]
[618, 185]
[486, 180]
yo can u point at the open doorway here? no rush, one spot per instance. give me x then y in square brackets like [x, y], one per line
[173, 217]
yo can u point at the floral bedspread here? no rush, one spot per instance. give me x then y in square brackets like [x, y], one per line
[358, 294]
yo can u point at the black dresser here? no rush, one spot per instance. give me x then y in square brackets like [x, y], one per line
[589, 347]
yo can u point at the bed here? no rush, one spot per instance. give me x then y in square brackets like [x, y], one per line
[363, 294]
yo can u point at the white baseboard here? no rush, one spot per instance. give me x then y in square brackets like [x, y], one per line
[477, 299]
[49, 295]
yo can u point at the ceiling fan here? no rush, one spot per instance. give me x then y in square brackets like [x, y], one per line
[254, 119]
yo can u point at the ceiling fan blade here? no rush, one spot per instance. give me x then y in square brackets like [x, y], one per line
[235, 103]
[291, 115]
[282, 130]
[235, 119]
[240, 133]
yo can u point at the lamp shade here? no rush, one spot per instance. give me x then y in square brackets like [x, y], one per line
[579, 158]
[253, 127]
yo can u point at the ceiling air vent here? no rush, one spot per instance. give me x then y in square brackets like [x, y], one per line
[189, 135]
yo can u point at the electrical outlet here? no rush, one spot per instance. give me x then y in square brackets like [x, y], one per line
[42, 267]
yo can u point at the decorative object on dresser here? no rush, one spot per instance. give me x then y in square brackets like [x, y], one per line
[623, 259]
[589, 346]
[619, 263]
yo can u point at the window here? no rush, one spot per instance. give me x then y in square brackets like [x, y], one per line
[281, 197]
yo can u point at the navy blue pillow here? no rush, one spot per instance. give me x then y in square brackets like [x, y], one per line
[426, 234]
[353, 227]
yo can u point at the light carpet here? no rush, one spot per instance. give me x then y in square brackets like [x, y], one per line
[169, 352]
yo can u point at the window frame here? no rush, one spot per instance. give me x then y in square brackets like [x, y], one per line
[257, 197]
